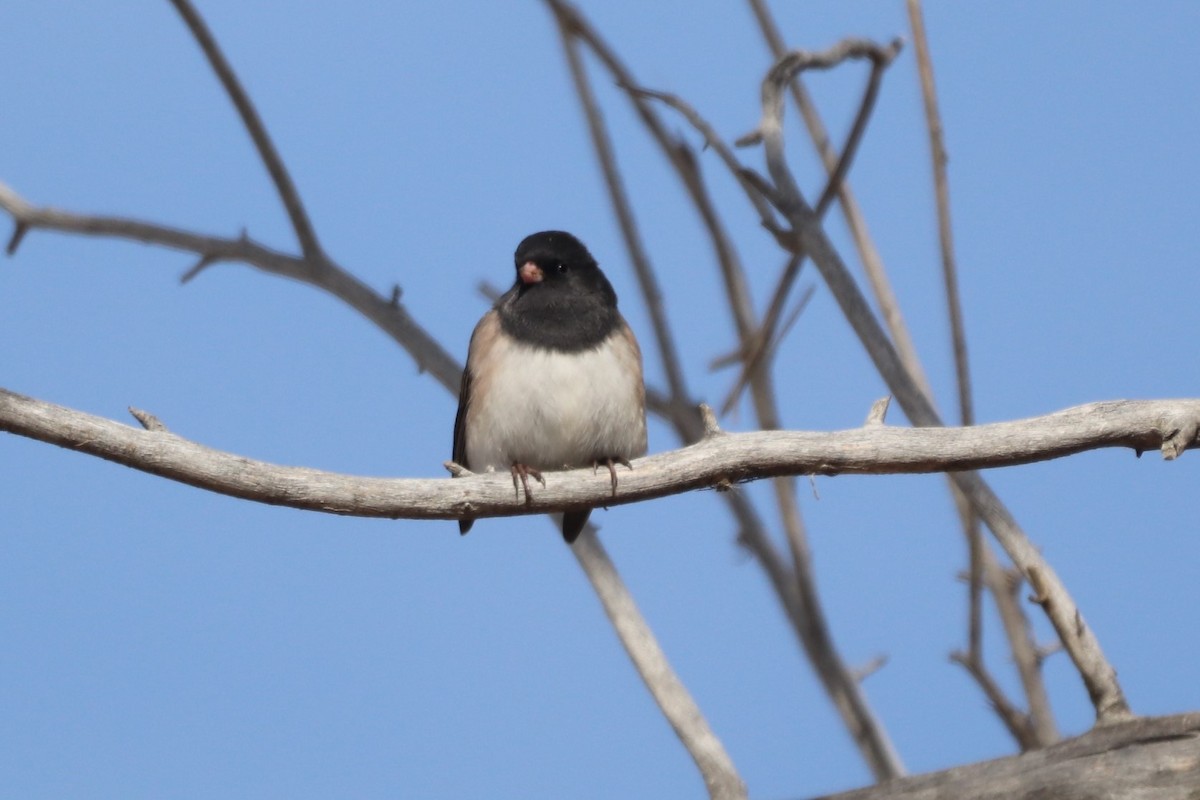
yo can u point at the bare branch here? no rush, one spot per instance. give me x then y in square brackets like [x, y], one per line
[1011, 613]
[770, 127]
[878, 450]
[870, 668]
[1098, 675]
[798, 591]
[1004, 585]
[147, 420]
[764, 339]
[878, 413]
[318, 270]
[881, 287]
[713, 140]
[288, 194]
[756, 346]
[14, 241]
[386, 312]
[941, 185]
[676, 704]
[647, 280]
[711, 426]
[1038, 728]
[1145, 757]
[1016, 721]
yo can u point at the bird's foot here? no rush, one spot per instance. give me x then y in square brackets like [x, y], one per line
[612, 469]
[523, 472]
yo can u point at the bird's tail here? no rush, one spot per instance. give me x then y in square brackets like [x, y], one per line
[573, 522]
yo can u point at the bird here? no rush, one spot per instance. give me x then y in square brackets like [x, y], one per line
[553, 377]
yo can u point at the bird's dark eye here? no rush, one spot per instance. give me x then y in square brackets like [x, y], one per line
[561, 269]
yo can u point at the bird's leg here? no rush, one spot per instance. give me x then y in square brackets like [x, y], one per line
[612, 469]
[523, 472]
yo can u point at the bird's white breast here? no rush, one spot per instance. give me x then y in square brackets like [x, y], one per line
[549, 409]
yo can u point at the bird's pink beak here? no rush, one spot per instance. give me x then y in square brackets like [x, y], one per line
[530, 273]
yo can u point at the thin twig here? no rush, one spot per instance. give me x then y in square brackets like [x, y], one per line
[1041, 728]
[837, 678]
[881, 287]
[392, 318]
[647, 280]
[1012, 613]
[673, 699]
[1018, 723]
[712, 140]
[766, 334]
[941, 184]
[253, 123]
[1097, 673]
[797, 591]
[315, 268]
[1004, 586]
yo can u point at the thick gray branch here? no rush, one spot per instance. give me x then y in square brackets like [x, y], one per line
[1169, 425]
[1143, 758]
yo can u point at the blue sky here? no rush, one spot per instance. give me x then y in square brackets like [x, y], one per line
[164, 642]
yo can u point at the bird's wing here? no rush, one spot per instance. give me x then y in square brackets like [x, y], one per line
[460, 419]
[483, 339]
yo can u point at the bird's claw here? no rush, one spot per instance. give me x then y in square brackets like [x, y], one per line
[522, 472]
[612, 469]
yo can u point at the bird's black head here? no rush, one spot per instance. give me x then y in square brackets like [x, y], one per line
[561, 300]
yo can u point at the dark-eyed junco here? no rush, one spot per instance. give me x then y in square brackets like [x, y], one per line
[554, 375]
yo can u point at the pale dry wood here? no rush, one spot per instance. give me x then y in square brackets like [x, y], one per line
[289, 196]
[646, 276]
[394, 319]
[1098, 675]
[868, 254]
[758, 192]
[1168, 425]
[1140, 759]
[716, 767]
[324, 273]
[1038, 727]
[798, 591]
[316, 268]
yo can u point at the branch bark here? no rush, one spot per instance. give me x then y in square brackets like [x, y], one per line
[716, 767]
[314, 267]
[797, 590]
[1148, 757]
[1098, 675]
[716, 461]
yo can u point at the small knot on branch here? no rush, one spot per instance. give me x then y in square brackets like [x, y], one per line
[878, 412]
[1039, 595]
[456, 470]
[397, 293]
[1178, 435]
[711, 426]
[20, 228]
[204, 263]
[877, 663]
[147, 420]
[1043, 651]
[749, 139]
